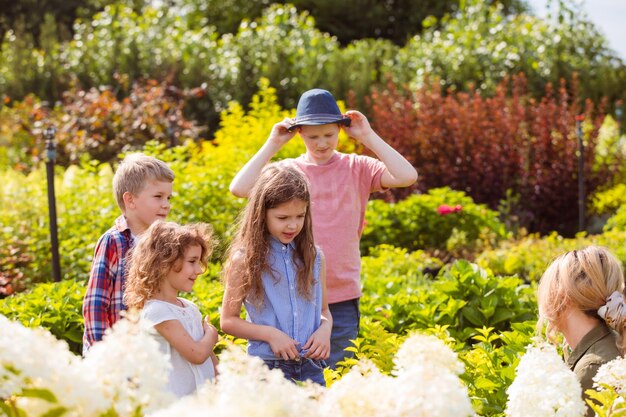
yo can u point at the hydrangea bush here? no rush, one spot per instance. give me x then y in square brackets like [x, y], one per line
[544, 386]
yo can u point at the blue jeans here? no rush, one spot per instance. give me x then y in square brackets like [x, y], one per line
[300, 370]
[346, 317]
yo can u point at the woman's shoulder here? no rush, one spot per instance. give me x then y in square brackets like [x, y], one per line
[602, 351]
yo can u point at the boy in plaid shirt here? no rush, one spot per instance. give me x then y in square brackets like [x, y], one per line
[142, 186]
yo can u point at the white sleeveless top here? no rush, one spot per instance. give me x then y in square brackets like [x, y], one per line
[185, 377]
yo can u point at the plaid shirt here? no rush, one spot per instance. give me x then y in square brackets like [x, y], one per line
[103, 301]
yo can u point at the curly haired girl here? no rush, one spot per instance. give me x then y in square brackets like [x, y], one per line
[167, 260]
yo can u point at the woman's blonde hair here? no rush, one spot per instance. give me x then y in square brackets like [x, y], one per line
[582, 279]
[278, 183]
[162, 248]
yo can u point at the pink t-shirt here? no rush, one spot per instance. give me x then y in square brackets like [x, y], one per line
[339, 193]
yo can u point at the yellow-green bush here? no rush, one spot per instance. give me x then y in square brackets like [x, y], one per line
[530, 256]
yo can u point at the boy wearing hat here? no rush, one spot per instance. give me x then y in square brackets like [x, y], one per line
[340, 188]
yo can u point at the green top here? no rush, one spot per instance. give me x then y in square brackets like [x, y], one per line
[596, 348]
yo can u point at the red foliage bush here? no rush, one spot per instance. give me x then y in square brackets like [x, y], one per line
[488, 145]
[96, 123]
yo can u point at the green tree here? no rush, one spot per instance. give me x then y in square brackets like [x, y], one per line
[31, 14]
[347, 20]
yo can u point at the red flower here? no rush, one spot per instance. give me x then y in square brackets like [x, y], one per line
[445, 209]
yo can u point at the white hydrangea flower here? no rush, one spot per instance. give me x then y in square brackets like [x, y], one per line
[131, 370]
[612, 374]
[544, 386]
[426, 383]
[246, 386]
[35, 359]
[362, 392]
[430, 390]
[420, 348]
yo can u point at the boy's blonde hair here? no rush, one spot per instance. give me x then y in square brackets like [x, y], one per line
[134, 171]
[582, 279]
[160, 249]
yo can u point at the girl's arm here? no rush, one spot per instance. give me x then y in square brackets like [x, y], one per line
[231, 322]
[196, 352]
[318, 344]
[215, 362]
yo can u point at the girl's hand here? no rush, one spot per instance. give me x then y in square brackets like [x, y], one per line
[359, 128]
[318, 344]
[210, 330]
[280, 133]
[283, 346]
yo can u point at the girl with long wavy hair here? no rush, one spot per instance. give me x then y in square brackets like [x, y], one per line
[275, 270]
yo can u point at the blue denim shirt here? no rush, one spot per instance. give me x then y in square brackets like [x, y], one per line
[284, 308]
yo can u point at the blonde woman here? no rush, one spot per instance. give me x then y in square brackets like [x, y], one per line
[581, 296]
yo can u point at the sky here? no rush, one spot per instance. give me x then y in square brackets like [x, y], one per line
[609, 16]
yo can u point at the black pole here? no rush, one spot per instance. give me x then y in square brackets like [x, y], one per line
[51, 156]
[581, 174]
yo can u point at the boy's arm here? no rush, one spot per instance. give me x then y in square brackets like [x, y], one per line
[399, 172]
[243, 182]
[232, 323]
[99, 291]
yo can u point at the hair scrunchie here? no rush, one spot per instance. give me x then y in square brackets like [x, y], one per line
[614, 311]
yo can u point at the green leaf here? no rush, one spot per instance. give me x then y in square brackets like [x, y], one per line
[40, 393]
[55, 412]
[474, 316]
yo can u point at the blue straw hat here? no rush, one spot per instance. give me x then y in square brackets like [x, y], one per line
[318, 107]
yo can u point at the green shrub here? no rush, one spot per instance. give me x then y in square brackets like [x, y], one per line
[86, 207]
[529, 257]
[54, 306]
[481, 45]
[416, 223]
[609, 201]
[490, 365]
[58, 306]
[462, 298]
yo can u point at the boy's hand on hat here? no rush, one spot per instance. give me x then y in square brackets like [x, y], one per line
[359, 129]
[280, 133]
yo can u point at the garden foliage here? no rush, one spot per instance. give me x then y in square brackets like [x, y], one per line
[479, 45]
[458, 307]
[94, 124]
[420, 222]
[528, 257]
[495, 147]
